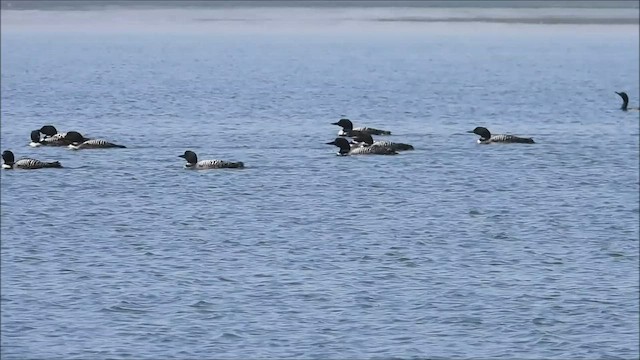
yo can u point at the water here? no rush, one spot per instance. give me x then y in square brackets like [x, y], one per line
[454, 250]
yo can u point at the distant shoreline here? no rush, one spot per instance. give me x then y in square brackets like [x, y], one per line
[111, 4]
[325, 15]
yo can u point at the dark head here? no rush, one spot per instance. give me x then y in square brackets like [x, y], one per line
[74, 137]
[190, 156]
[343, 144]
[8, 157]
[48, 130]
[365, 138]
[345, 123]
[625, 100]
[482, 131]
[35, 136]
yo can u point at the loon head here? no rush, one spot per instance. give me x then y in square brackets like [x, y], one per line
[8, 158]
[48, 130]
[345, 124]
[35, 136]
[482, 131]
[365, 138]
[74, 137]
[190, 156]
[343, 144]
[625, 100]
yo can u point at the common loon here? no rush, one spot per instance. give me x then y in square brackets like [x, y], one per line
[625, 102]
[76, 142]
[10, 163]
[368, 141]
[56, 140]
[193, 163]
[347, 149]
[349, 130]
[51, 136]
[487, 138]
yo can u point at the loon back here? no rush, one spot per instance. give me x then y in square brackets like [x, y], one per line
[394, 145]
[373, 150]
[95, 144]
[363, 130]
[367, 139]
[36, 164]
[216, 164]
[347, 149]
[503, 138]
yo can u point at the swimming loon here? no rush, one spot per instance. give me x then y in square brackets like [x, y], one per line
[56, 140]
[487, 138]
[349, 130]
[625, 102]
[51, 137]
[76, 142]
[10, 163]
[193, 163]
[368, 141]
[346, 149]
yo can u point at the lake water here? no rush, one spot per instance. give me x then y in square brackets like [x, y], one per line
[454, 250]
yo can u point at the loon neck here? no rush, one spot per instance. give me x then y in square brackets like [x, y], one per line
[625, 100]
[625, 104]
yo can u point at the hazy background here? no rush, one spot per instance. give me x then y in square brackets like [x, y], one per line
[122, 16]
[158, 4]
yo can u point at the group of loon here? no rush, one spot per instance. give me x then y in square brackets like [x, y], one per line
[362, 143]
[48, 135]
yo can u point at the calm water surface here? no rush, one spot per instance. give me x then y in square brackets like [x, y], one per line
[454, 250]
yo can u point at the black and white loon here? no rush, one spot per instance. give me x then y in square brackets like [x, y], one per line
[193, 163]
[349, 130]
[487, 138]
[77, 142]
[367, 140]
[625, 102]
[51, 137]
[10, 163]
[347, 149]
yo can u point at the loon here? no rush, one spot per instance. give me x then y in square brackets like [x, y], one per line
[367, 140]
[625, 102]
[10, 163]
[347, 149]
[348, 129]
[487, 138]
[51, 137]
[193, 163]
[77, 141]
[56, 140]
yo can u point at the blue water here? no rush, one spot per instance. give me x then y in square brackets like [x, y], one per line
[454, 250]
